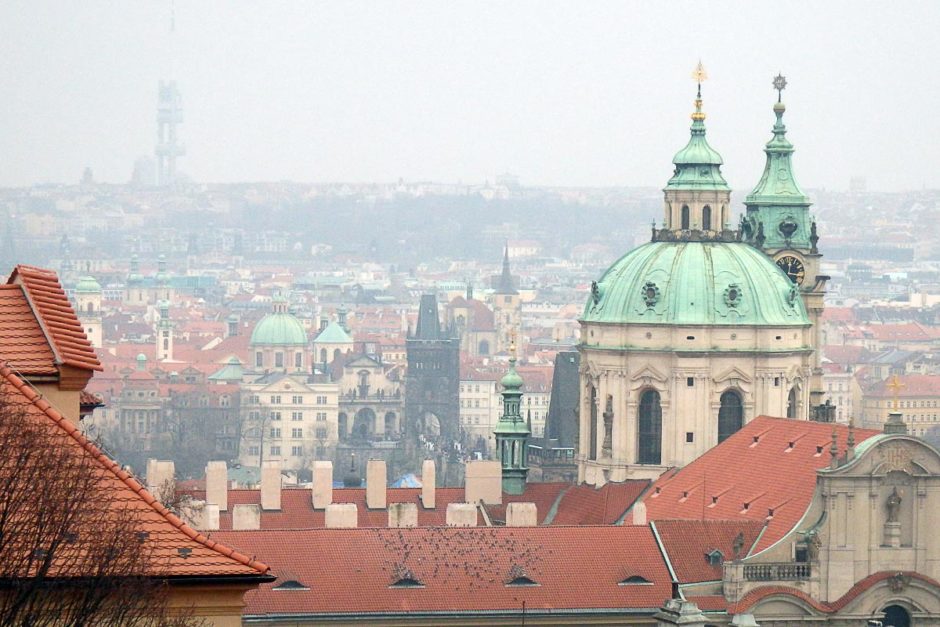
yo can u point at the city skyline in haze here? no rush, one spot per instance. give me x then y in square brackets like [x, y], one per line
[555, 93]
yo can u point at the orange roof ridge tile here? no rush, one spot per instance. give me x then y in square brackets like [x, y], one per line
[66, 425]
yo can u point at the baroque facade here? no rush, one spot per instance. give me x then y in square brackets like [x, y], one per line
[687, 338]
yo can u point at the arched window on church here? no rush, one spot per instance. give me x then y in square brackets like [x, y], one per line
[730, 415]
[791, 403]
[592, 395]
[650, 427]
[685, 217]
[706, 218]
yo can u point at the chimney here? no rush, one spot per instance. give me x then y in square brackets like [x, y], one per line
[428, 484]
[342, 516]
[403, 515]
[461, 515]
[160, 476]
[484, 482]
[246, 517]
[271, 484]
[376, 479]
[210, 517]
[522, 515]
[217, 484]
[639, 513]
[322, 484]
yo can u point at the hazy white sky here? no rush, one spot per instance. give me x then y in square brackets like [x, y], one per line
[559, 93]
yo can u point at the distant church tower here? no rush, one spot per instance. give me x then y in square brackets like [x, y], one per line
[507, 307]
[433, 376]
[88, 306]
[169, 117]
[135, 293]
[779, 222]
[512, 433]
[164, 333]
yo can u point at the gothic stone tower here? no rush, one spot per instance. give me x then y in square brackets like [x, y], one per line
[779, 222]
[433, 378]
[507, 307]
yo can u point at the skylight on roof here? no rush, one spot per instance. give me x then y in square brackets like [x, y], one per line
[290, 584]
[635, 580]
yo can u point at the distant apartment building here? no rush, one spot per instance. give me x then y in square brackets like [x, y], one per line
[288, 417]
[916, 397]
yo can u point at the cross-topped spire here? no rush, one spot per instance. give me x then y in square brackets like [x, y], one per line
[896, 386]
[780, 83]
[699, 75]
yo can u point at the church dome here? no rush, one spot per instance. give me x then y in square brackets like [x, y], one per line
[279, 328]
[696, 284]
[88, 285]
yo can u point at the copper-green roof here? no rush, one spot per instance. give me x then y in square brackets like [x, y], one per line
[279, 328]
[698, 165]
[88, 285]
[333, 334]
[696, 284]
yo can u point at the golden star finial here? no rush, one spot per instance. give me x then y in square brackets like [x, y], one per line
[699, 74]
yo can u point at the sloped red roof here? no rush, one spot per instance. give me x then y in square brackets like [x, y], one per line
[460, 570]
[56, 318]
[22, 343]
[205, 557]
[847, 354]
[765, 471]
[909, 331]
[914, 385]
[687, 543]
[586, 505]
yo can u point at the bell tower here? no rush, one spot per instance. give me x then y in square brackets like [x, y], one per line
[779, 222]
[512, 432]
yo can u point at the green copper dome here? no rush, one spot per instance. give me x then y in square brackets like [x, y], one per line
[698, 165]
[695, 284]
[511, 381]
[88, 285]
[279, 328]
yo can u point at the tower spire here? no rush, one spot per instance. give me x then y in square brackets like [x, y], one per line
[512, 431]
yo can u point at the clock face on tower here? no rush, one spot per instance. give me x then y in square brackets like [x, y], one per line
[793, 268]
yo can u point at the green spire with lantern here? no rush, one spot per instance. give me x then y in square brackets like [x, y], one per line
[698, 165]
[512, 432]
[777, 202]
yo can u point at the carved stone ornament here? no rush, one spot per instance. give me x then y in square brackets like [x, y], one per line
[608, 423]
[650, 294]
[787, 227]
[898, 582]
[733, 296]
[893, 505]
[895, 457]
[595, 292]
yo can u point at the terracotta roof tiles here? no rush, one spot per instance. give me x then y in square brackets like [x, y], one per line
[57, 320]
[739, 478]
[457, 570]
[204, 557]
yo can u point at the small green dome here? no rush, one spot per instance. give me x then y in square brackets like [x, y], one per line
[511, 381]
[88, 285]
[280, 328]
[696, 284]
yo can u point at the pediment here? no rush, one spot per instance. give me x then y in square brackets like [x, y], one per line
[733, 374]
[648, 373]
[902, 453]
[363, 361]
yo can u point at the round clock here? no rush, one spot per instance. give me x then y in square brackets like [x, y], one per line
[793, 268]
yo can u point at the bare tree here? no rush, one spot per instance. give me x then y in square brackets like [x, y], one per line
[73, 548]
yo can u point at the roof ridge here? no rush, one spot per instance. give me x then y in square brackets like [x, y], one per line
[112, 466]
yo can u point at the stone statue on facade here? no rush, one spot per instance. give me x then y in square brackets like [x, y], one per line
[893, 505]
[608, 424]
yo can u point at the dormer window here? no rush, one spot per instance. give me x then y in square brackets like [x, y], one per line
[290, 584]
[635, 580]
[715, 558]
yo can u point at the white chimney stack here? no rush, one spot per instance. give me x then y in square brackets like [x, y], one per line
[322, 484]
[271, 484]
[376, 479]
[428, 484]
[217, 484]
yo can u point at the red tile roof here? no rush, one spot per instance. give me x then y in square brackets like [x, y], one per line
[587, 505]
[22, 343]
[687, 544]
[205, 557]
[914, 386]
[765, 471]
[50, 306]
[460, 570]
